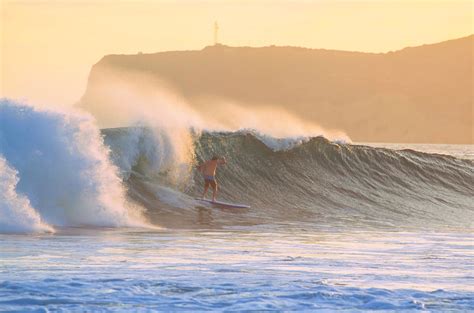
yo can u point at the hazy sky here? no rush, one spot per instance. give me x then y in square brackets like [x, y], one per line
[48, 47]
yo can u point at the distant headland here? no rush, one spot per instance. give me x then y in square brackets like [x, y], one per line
[418, 94]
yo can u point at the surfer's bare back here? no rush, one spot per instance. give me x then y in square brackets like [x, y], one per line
[208, 169]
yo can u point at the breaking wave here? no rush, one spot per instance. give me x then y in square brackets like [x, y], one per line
[58, 169]
[55, 170]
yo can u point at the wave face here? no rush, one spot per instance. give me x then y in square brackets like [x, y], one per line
[55, 170]
[59, 169]
[311, 180]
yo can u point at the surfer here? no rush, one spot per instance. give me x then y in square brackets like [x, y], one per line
[208, 169]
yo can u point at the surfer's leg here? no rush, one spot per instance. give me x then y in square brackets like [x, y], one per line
[206, 186]
[214, 189]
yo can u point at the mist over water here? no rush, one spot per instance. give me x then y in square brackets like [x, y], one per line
[138, 99]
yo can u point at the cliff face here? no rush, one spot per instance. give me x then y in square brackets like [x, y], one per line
[419, 94]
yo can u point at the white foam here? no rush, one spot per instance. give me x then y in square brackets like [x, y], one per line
[16, 212]
[160, 153]
[63, 167]
[277, 143]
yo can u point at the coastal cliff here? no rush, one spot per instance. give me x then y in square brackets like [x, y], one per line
[418, 94]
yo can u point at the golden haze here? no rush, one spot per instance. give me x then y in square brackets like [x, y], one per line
[48, 47]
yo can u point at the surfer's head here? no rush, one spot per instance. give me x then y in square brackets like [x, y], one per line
[216, 157]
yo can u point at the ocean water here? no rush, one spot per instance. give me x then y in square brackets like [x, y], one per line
[105, 221]
[287, 268]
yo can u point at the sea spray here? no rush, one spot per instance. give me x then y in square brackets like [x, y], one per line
[139, 99]
[150, 156]
[156, 152]
[139, 96]
[63, 167]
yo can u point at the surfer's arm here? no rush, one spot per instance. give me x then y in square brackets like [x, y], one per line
[200, 167]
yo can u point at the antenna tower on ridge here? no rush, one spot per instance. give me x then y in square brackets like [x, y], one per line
[216, 33]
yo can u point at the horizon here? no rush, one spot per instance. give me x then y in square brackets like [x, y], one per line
[49, 47]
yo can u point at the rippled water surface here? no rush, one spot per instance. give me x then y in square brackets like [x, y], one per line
[258, 268]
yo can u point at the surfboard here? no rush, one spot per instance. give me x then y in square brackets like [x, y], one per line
[225, 204]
